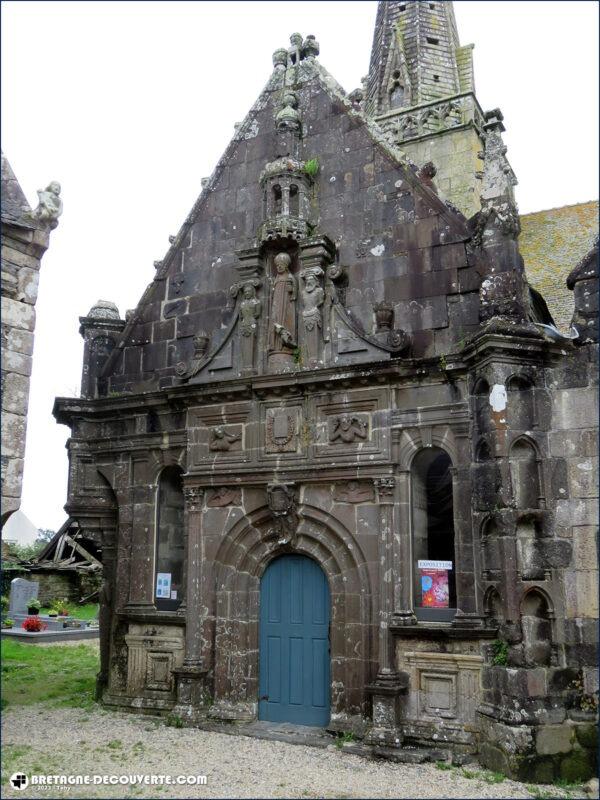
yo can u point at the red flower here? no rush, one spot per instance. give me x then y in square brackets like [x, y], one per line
[34, 624]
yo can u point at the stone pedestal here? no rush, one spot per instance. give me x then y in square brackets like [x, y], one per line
[386, 691]
[192, 694]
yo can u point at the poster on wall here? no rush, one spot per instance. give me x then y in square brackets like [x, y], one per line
[435, 585]
[163, 585]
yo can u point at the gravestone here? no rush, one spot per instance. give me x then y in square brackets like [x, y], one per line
[20, 592]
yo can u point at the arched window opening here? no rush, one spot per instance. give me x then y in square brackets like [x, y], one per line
[493, 608]
[524, 475]
[397, 95]
[433, 536]
[168, 585]
[481, 394]
[520, 404]
[294, 201]
[277, 200]
[537, 630]
[529, 560]
[490, 548]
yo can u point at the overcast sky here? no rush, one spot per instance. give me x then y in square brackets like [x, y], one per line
[130, 104]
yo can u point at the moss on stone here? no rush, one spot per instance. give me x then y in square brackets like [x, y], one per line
[576, 767]
[587, 736]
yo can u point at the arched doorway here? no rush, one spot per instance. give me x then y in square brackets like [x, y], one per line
[294, 668]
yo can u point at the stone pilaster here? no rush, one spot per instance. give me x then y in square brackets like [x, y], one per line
[389, 684]
[191, 677]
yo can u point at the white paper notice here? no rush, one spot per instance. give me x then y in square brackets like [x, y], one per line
[163, 584]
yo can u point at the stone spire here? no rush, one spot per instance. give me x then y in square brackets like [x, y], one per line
[416, 42]
[420, 89]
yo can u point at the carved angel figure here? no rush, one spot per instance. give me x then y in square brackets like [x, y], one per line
[221, 440]
[50, 205]
[347, 429]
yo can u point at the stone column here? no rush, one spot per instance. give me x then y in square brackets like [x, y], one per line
[403, 591]
[191, 690]
[389, 684]
[107, 603]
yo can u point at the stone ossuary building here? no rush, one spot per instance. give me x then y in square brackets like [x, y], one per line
[341, 463]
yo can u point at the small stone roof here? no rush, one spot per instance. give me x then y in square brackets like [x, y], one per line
[14, 203]
[552, 243]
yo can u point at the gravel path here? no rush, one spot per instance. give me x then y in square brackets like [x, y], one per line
[74, 741]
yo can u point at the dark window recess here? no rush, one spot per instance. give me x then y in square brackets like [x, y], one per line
[277, 200]
[402, 8]
[431, 40]
[168, 579]
[397, 96]
[436, 78]
[433, 532]
[432, 6]
[294, 201]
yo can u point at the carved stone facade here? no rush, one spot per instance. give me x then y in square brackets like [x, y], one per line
[340, 378]
[25, 239]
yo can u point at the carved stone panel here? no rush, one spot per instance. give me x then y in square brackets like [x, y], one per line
[352, 426]
[281, 431]
[354, 492]
[224, 496]
[214, 437]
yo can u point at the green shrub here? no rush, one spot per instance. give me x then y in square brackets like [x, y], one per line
[500, 653]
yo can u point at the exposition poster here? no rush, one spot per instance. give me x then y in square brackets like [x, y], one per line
[435, 588]
[163, 584]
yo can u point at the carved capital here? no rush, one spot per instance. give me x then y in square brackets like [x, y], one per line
[193, 496]
[385, 488]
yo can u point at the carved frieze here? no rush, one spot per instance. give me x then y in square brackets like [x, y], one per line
[354, 492]
[224, 496]
[348, 428]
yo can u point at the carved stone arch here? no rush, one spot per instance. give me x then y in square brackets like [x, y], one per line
[415, 439]
[521, 402]
[240, 561]
[525, 460]
[537, 614]
[493, 607]
[159, 459]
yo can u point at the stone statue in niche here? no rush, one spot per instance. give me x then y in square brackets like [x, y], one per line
[50, 206]
[347, 429]
[354, 492]
[281, 498]
[313, 298]
[281, 431]
[282, 329]
[224, 496]
[221, 439]
[250, 310]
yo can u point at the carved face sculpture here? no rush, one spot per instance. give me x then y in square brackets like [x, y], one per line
[310, 283]
[282, 263]
[345, 422]
[54, 187]
[249, 291]
[218, 432]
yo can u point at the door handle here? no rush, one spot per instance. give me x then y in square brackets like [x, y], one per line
[264, 697]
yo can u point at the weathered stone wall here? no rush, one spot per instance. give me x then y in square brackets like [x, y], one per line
[456, 155]
[22, 250]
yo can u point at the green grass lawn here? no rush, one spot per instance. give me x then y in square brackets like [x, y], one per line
[86, 611]
[59, 676]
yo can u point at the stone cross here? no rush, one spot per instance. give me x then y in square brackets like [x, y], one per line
[20, 592]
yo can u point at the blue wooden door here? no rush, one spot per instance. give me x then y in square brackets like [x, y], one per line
[294, 642]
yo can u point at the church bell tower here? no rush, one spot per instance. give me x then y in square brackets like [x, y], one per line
[421, 90]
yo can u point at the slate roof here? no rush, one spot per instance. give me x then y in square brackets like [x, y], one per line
[552, 242]
[14, 202]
